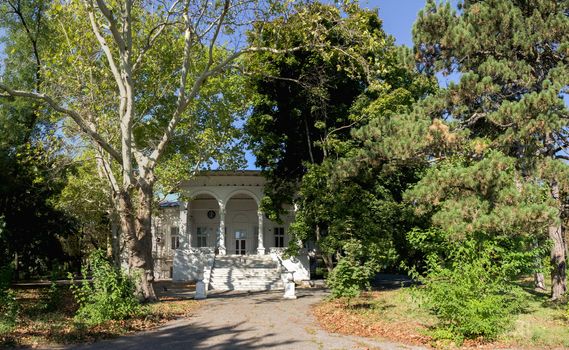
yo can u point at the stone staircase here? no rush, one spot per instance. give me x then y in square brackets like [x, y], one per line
[243, 272]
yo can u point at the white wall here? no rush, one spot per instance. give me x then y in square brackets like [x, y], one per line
[190, 263]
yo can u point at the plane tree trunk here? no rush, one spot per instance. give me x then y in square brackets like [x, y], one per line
[136, 228]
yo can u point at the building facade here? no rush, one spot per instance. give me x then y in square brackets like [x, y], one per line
[220, 217]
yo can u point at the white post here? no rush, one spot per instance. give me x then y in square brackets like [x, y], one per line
[201, 290]
[222, 249]
[260, 246]
[290, 287]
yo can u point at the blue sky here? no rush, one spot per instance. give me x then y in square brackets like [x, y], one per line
[398, 17]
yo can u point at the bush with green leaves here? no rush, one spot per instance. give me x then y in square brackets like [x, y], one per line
[109, 296]
[353, 272]
[8, 304]
[473, 293]
[348, 279]
[51, 297]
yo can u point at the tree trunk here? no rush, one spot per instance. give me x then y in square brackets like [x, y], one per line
[144, 234]
[16, 267]
[539, 281]
[558, 254]
[135, 225]
[115, 243]
[558, 262]
[327, 258]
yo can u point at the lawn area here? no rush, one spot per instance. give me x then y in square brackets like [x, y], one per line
[37, 326]
[396, 315]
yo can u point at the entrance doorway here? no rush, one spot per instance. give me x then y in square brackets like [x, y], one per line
[240, 242]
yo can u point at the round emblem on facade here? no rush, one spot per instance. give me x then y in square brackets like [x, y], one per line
[211, 214]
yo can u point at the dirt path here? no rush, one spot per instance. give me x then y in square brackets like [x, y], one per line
[247, 321]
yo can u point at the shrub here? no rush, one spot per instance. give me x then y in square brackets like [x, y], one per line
[473, 296]
[348, 279]
[51, 297]
[353, 272]
[8, 305]
[110, 295]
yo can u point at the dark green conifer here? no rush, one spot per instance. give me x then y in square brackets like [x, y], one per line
[512, 60]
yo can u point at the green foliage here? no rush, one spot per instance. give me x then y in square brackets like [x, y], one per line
[302, 112]
[32, 157]
[8, 304]
[483, 195]
[506, 110]
[207, 131]
[33, 177]
[52, 296]
[93, 215]
[473, 293]
[348, 279]
[304, 131]
[367, 209]
[360, 261]
[109, 296]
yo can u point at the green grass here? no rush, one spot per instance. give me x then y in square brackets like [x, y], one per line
[543, 324]
[399, 316]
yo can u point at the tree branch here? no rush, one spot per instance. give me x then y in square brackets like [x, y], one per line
[153, 35]
[106, 49]
[85, 126]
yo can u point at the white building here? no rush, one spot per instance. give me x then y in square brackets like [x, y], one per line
[220, 234]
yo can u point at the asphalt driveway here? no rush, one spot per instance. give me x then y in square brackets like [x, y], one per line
[232, 320]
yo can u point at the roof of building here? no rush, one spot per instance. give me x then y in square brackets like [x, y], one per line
[169, 204]
[229, 173]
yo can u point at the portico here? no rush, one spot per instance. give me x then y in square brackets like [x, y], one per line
[233, 225]
[223, 214]
[219, 215]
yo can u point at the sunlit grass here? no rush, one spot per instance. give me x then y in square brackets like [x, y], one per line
[37, 327]
[397, 315]
[543, 324]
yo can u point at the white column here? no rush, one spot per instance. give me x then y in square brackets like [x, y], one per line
[221, 247]
[189, 223]
[183, 227]
[260, 246]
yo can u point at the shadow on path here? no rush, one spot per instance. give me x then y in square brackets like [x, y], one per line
[194, 336]
[241, 320]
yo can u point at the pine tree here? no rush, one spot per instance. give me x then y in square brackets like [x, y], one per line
[512, 57]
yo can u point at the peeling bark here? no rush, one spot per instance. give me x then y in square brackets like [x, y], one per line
[135, 224]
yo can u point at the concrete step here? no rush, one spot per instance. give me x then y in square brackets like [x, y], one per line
[245, 262]
[244, 280]
[237, 283]
[246, 286]
[249, 264]
[242, 272]
[223, 277]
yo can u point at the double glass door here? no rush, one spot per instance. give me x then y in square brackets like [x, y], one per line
[240, 242]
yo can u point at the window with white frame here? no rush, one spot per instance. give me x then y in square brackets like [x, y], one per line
[202, 236]
[174, 237]
[279, 237]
